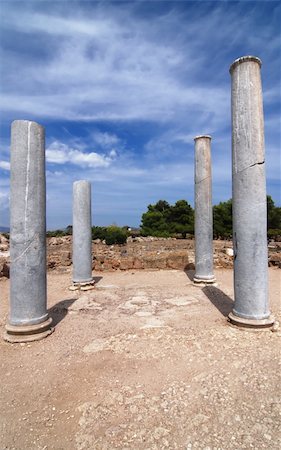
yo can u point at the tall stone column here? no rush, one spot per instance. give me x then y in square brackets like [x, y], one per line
[203, 212]
[28, 319]
[249, 196]
[82, 235]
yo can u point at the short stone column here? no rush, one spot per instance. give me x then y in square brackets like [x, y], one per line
[249, 197]
[28, 319]
[203, 212]
[82, 236]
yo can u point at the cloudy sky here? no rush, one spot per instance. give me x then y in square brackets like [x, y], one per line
[123, 87]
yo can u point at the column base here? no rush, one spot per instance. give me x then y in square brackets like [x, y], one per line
[203, 281]
[251, 323]
[28, 333]
[82, 286]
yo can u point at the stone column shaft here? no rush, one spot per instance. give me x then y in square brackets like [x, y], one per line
[28, 319]
[82, 233]
[251, 305]
[203, 211]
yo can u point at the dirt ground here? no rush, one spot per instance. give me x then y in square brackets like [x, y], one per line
[144, 361]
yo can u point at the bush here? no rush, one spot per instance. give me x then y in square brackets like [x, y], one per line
[273, 234]
[99, 233]
[115, 235]
[111, 235]
[56, 233]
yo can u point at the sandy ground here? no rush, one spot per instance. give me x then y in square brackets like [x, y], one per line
[144, 361]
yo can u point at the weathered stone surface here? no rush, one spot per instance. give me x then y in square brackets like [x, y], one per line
[59, 240]
[126, 263]
[82, 232]
[203, 211]
[165, 373]
[138, 255]
[177, 260]
[4, 243]
[4, 268]
[28, 296]
[249, 191]
[138, 264]
[275, 260]
[28, 316]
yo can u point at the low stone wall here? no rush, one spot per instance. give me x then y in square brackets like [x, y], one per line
[4, 257]
[139, 253]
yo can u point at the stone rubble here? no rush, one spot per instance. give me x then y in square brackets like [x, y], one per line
[145, 361]
[139, 253]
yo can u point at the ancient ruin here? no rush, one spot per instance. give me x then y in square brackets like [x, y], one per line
[203, 212]
[251, 306]
[82, 235]
[28, 318]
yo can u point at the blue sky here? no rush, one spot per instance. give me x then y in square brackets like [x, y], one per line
[123, 87]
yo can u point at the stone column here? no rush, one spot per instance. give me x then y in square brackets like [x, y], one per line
[249, 196]
[203, 212]
[82, 235]
[28, 319]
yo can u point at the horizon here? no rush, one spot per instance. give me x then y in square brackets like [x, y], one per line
[6, 229]
[122, 88]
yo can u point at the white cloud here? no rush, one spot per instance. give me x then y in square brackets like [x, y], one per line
[110, 63]
[5, 165]
[111, 66]
[60, 153]
[113, 153]
[114, 62]
[105, 139]
[58, 25]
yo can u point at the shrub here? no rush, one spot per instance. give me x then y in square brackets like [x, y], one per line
[56, 233]
[115, 235]
[273, 234]
[98, 233]
[111, 235]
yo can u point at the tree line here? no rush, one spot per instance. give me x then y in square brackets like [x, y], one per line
[177, 220]
[163, 219]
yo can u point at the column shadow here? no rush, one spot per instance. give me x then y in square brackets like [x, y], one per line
[219, 299]
[189, 273]
[97, 279]
[60, 310]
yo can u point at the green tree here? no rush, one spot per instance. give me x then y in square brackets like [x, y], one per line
[222, 219]
[154, 221]
[273, 219]
[163, 219]
[273, 214]
[161, 206]
[154, 224]
[181, 218]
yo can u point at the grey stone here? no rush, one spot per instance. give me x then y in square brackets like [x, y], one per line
[28, 319]
[203, 211]
[82, 232]
[249, 193]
